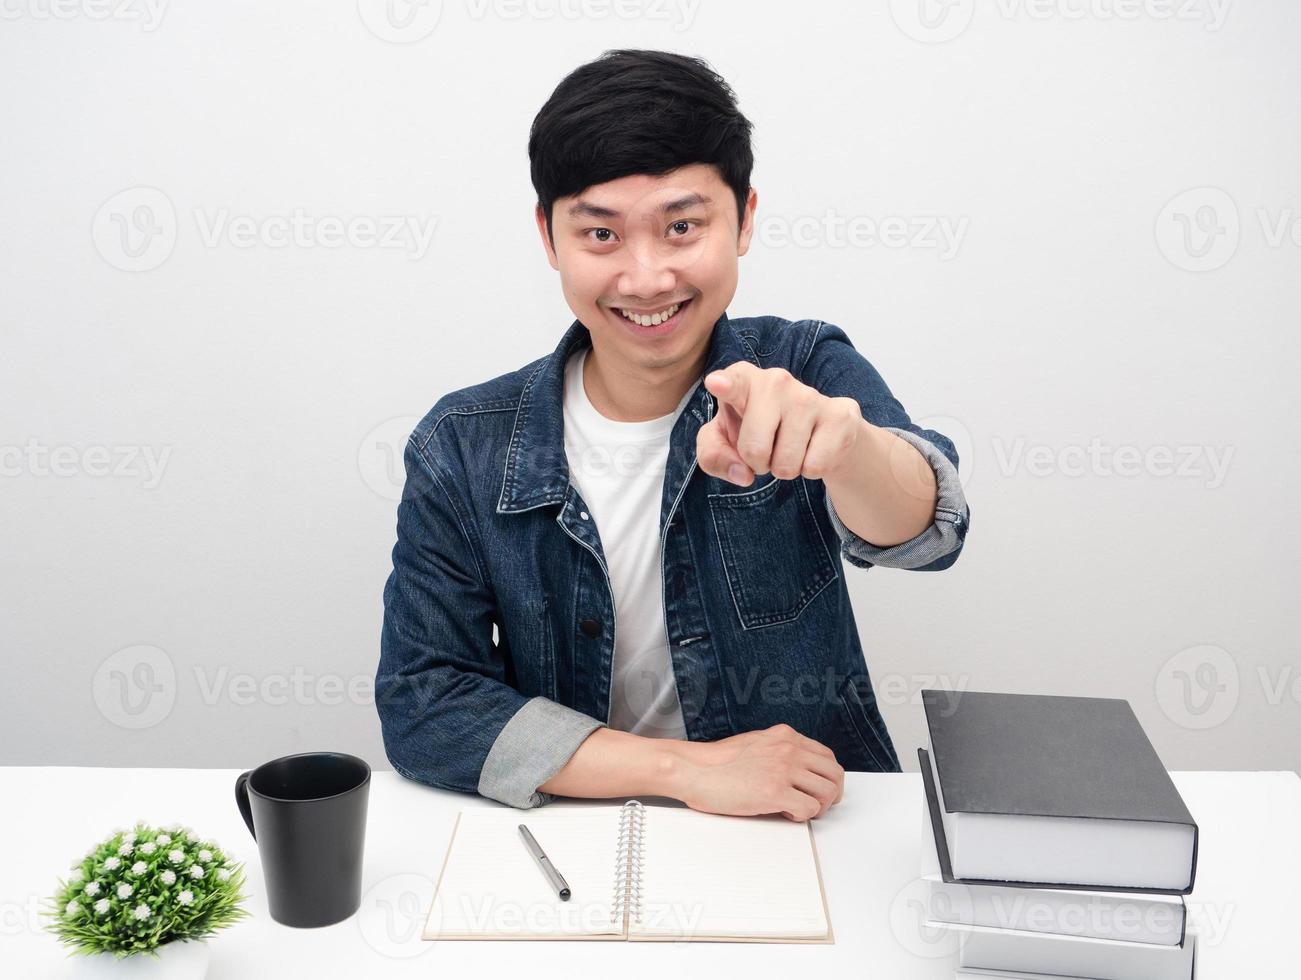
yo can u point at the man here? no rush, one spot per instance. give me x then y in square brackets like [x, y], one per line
[618, 569]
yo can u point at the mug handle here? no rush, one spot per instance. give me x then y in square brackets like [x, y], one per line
[241, 800]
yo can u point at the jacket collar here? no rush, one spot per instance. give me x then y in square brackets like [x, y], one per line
[537, 471]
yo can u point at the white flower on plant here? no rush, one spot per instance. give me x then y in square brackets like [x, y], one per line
[192, 837]
[148, 847]
[76, 874]
[101, 906]
[92, 888]
[139, 868]
[223, 874]
[169, 876]
[176, 856]
[130, 836]
[126, 849]
[141, 911]
[205, 855]
[111, 864]
[72, 908]
[185, 897]
[164, 839]
[124, 890]
[196, 871]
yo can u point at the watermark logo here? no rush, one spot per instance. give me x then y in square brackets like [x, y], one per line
[656, 702]
[379, 457]
[135, 229]
[135, 687]
[916, 916]
[1198, 229]
[1198, 688]
[400, 21]
[958, 434]
[932, 21]
[392, 915]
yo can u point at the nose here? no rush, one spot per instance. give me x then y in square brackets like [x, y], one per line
[648, 273]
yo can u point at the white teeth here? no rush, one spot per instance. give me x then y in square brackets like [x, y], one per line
[655, 319]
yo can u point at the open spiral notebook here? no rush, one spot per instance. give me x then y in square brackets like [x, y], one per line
[636, 872]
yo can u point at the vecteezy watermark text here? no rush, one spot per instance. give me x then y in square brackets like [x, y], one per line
[136, 230]
[942, 234]
[35, 458]
[1209, 463]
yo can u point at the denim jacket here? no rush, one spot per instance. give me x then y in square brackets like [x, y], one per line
[499, 622]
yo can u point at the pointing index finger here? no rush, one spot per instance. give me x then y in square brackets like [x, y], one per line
[732, 384]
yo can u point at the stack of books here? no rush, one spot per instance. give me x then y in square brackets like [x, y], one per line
[1057, 843]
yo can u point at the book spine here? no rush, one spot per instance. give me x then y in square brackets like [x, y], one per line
[626, 902]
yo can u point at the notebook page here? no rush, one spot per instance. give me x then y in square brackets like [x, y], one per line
[492, 888]
[705, 874]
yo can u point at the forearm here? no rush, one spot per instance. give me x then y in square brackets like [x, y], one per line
[612, 763]
[885, 491]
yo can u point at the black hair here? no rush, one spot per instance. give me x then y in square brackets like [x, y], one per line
[637, 112]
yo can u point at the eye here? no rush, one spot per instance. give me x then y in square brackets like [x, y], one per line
[683, 225]
[599, 232]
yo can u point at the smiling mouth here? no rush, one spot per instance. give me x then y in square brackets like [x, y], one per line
[655, 323]
[651, 318]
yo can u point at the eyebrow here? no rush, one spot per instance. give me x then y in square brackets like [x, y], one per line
[590, 210]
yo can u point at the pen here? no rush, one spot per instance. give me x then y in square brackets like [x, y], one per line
[553, 876]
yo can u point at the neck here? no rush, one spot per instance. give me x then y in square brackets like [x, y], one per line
[624, 393]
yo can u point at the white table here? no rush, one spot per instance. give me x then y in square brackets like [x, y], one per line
[1248, 867]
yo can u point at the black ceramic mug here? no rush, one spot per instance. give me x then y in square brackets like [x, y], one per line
[307, 813]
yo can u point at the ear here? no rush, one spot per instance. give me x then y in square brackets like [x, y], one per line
[541, 218]
[747, 223]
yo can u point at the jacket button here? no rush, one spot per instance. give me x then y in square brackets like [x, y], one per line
[590, 627]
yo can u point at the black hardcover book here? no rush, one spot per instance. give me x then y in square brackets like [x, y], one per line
[1051, 791]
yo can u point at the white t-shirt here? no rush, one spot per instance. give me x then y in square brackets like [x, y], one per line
[618, 467]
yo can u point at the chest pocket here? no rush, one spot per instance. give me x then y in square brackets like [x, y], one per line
[773, 551]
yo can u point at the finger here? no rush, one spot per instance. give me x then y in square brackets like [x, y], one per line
[798, 805]
[819, 787]
[827, 768]
[758, 430]
[729, 420]
[716, 456]
[833, 436]
[829, 442]
[733, 384]
[797, 421]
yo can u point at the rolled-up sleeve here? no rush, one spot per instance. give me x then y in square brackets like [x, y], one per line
[448, 717]
[836, 369]
[532, 747]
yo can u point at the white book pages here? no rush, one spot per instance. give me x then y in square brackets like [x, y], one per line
[1133, 916]
[1014, 951]
[708, 875]
[491, 887]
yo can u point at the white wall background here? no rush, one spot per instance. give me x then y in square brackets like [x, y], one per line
[1109, 334]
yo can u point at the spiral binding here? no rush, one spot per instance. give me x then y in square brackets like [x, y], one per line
[628, 864]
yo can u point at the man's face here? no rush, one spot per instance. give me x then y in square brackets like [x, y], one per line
[644, 245]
